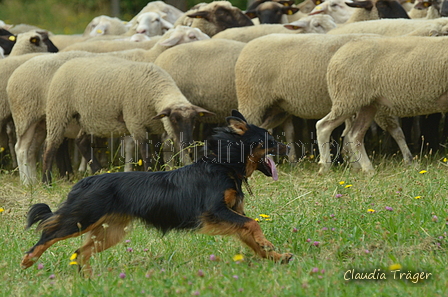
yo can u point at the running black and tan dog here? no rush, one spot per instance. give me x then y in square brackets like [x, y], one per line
[205, 196]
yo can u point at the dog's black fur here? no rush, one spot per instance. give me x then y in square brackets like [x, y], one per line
[206, 196]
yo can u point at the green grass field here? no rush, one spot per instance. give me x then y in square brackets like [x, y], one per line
[340, 226]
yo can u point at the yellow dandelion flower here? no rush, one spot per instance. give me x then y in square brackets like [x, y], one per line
[257, 219]
[140, 162]
[108, 171]
[348, 186]
[264, 215]
[395, 267]
[445, 160]
[238, 257]
[418, 197]
[2, 149]
[74, 256]
[342, 182]
[371, 210]
[423, 171]
[2, 209]
[73, 263]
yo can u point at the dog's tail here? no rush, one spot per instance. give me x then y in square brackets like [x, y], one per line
[38, 212]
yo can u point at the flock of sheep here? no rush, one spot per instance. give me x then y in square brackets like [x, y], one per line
[166, 71]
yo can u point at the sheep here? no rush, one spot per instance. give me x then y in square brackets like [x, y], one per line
[27, 46]
[337, 9]
[64, 40]
[310, 24]
[166, 11]
[420, 9]
[150, 24]
[270, 12]
[28, 91]
[23, 28]
[144, 94]
[264, 86]
[215, 17]
[104, 46]
[397, 27]
[366, 77]
[204, 72]
[106, 25]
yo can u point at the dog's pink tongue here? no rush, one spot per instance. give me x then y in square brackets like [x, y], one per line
[271, 165]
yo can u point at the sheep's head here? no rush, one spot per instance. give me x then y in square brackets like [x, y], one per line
[320, 23]
[221, 15]
[152, 24]
[182, 120]
[271, 12]
[105, 25]
[33, 42]
[182, 34]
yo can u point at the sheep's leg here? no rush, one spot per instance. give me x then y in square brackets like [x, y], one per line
[356, 137]
[83, 142]
[129, 147]
[63, 161]
[324, 128]
[10, 130]
[288, 127]
[392, 125]
[26, 149]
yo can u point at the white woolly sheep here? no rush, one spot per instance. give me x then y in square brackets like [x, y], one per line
[309, 24]
[27, 46]
[23, 28]
[204, 72]
[63, 40]
[150, 24]
[166, 11]
[397, 27]
[215, 17]
[337, 9]
[105, 46]
[106, 25]
[28, 92]
[144, 94]
[264, 86]
[369, 76]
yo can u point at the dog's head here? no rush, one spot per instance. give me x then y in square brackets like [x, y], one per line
[244, 144]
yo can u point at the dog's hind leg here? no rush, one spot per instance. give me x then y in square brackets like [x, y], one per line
[247, 230]
[110, 230]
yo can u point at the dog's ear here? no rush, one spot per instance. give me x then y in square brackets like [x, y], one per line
[237, 114]
[237, 125]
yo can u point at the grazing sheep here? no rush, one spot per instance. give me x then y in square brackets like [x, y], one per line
[204, 72]
[263, 81]
[144, 94]
[215, 17]
[27, 46]
[168, 12]
[310, 24]
[28, 92]
[150, 24]
[270, 12]
[397, 27]
[366, 77]
[337, 9]
[106, 25]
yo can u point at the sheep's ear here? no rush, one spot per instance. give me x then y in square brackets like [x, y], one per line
[172, 40]
[286, 2]
[200, 15]
[296, 25]
[202, 112]
[251, 14]
[237, 125]
[361, 4]
[164, 113]
[289, 10]
[35, 40]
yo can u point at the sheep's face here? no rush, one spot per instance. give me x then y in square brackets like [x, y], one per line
[182, 121]
[152, 24]
[182, 34]
[271, 12]
[222, 17]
